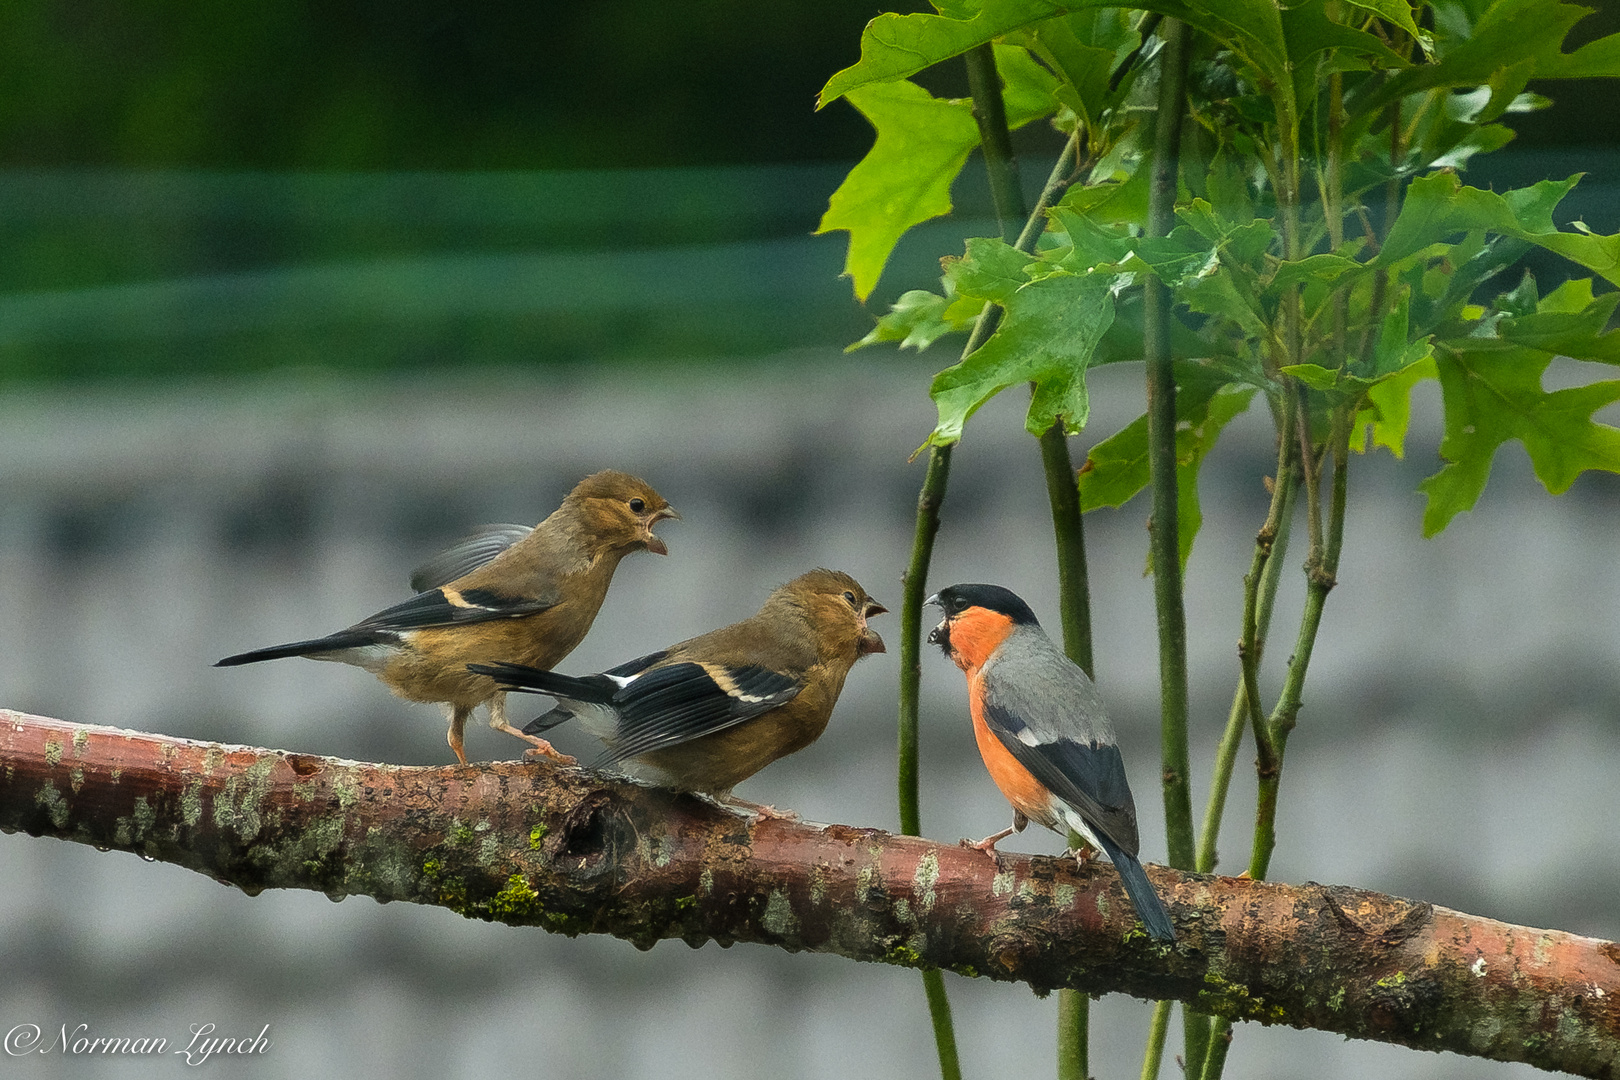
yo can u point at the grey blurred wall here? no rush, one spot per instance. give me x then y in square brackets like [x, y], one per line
[1458, 745]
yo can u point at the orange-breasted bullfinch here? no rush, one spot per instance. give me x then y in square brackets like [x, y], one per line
[1043, 734]
[705, 714]
[505, 593]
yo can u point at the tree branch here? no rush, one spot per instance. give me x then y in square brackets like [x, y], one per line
[570, 851]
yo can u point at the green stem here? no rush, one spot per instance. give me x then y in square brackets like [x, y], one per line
[911, 605]
[1074, 605]
[990, 110]
[1161, 394]
[939, 1011]
[992, 114]
[1157, 1032]
[1219, 1043]
[1164, 540]
[1074, 1035]
[1074, 588]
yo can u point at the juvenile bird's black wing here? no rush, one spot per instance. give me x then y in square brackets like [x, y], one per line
[452, 607]
[680, 702]
[439, 607]
[592, 689]
[466, 555]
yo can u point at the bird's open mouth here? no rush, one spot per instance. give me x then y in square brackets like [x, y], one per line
[941, 636]
[655, 544]
[869, 643]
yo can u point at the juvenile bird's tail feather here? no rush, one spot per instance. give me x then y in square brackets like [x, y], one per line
[331, 643]
[594, 690]
[1149, 908]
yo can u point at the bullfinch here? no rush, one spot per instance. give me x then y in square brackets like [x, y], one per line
[505, 593]
[707, 713]
[1043, 734]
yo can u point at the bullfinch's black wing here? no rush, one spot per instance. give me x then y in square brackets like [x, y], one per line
[678, 703]
[466, 555]
[1088, 776]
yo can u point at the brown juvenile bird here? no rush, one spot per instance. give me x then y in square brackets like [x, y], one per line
[708, 713]
[506, 593]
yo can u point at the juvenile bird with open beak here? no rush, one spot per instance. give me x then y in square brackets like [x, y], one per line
[508, 592]
[1043, 734]
[707, 713]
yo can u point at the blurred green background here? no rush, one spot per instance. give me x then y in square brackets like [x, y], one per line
[188, 187]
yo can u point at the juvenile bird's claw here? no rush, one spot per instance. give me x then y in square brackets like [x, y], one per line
[543, 749]
[759, 810]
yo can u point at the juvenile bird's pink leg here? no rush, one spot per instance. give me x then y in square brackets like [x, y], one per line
[763, 812]
[458, 724]
[542, 748]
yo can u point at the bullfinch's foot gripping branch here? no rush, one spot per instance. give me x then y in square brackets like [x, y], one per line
[705, 714]
[1043, 733]
[508, 592]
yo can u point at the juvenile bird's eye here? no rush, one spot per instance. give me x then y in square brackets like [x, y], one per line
[850, 597]
[637, 506]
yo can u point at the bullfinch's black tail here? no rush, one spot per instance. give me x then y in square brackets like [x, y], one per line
[593, 689]
[1149, 908]
[331, 643]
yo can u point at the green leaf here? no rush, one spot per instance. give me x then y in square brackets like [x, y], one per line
[1117, 468]
[1310, 31]
[1217, 295]
[1028, 89]
[896, 47]
[916, 320]
[1089, 243]
[990, 270]
[1084, 57]
[1508, 33]
[1491, 397]
[1047, 336]
[922, 144]
[1323, 269]
[905, 179]
[1439, 206]
[1398, 12]
[1389, 407]
[1592, 60]
[1552, 327]
[1394, 351]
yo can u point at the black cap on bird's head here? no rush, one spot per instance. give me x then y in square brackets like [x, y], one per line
[955, 599]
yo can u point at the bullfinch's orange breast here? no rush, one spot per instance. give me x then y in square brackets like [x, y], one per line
[1027, 794]
[975, 634]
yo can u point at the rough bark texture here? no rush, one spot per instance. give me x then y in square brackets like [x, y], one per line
[566, 850]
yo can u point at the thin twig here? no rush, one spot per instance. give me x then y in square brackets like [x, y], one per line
[1321, 571]
[1271, 548]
